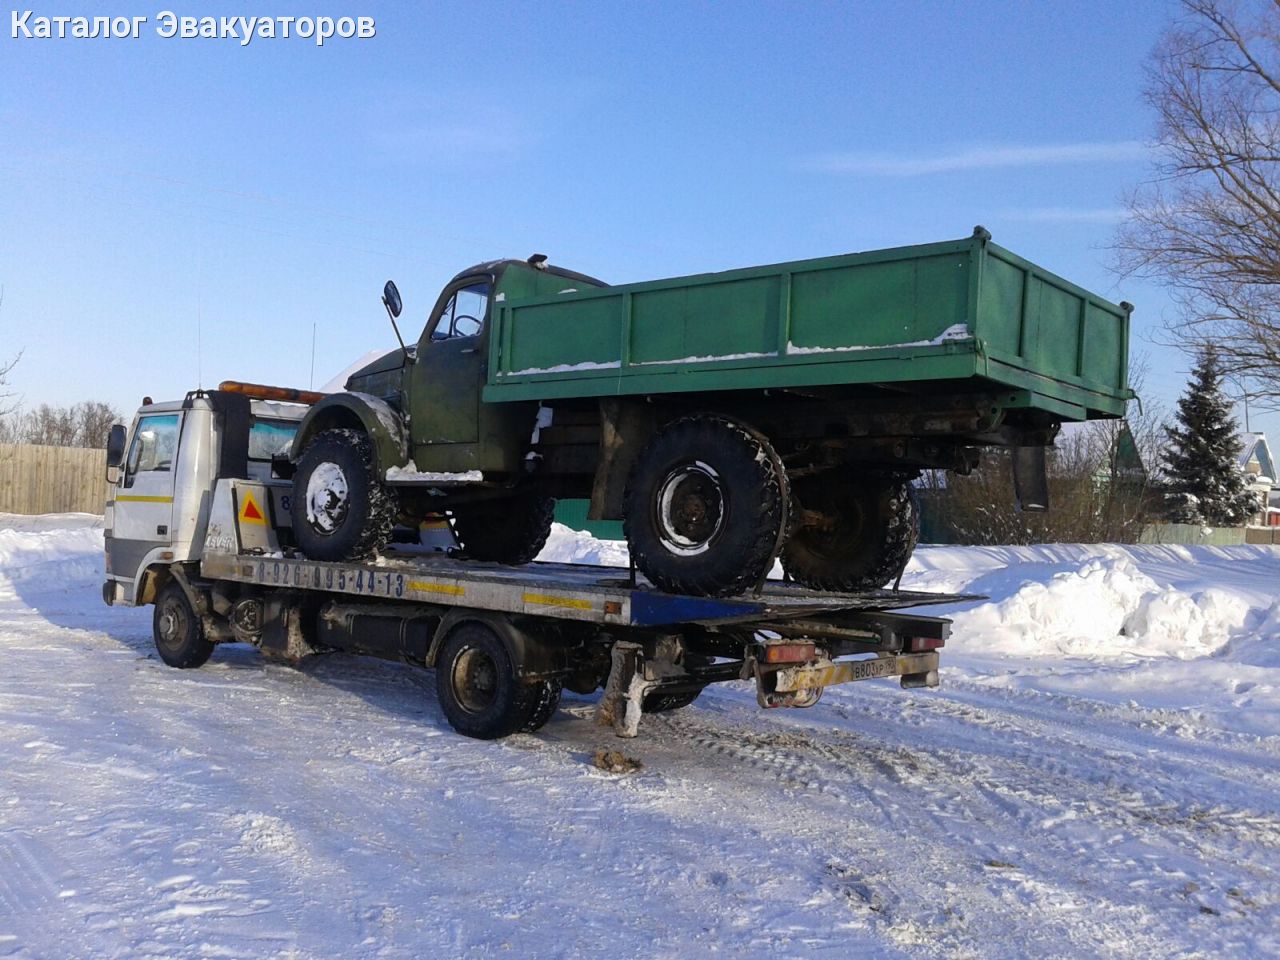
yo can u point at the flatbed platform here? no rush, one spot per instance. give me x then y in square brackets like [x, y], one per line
[596, 594]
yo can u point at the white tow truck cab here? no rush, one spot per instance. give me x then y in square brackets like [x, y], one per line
[198, 524]
[162, 474]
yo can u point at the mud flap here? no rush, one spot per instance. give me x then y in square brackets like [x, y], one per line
[637, 670]
[1030, 479]
[623, 702]
[283, 636]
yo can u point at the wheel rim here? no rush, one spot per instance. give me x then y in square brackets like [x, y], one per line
[173, 624]
[474, 680]
[843, 531]
[328, 497]
[690, 508]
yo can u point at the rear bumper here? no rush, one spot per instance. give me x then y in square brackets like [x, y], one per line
[807, 676]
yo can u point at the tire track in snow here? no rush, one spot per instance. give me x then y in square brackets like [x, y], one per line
[1124, 769]
[947, 811]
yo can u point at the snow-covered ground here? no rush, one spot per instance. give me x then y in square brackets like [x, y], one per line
[1099, 775]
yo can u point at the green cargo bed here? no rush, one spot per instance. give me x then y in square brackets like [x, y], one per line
[964, 310]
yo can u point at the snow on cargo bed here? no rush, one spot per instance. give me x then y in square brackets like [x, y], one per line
[1057, 796]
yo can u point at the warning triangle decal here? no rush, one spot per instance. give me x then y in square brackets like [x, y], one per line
[250, 512]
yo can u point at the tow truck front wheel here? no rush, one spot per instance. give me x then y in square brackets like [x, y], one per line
[178, 632]
[340, 511]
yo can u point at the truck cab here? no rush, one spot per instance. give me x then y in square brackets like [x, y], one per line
[433, 386]
[162, 470]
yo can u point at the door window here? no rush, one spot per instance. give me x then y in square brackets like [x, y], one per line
[463, 315]
[155, 444]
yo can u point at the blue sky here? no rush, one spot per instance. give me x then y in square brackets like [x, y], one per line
[151, 186]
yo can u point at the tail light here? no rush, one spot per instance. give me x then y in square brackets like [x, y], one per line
[789, 652]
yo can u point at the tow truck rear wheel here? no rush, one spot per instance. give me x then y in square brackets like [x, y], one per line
[340, 510]
[545, 708]
[660, 702]
[851, 533]
[178, 632]
[480, 692]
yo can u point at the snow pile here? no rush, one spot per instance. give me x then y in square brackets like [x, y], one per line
[566, 545]
[1173, 623]
[1106, 607]
[1259, 644]
[1088, 601]
[29, 546]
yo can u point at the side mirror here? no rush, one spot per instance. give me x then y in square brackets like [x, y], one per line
[391, 300]
[115, 445]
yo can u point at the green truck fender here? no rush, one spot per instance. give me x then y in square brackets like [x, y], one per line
[357, 411]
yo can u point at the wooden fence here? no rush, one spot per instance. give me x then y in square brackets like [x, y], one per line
[39, 479]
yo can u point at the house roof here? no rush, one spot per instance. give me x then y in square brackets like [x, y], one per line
[1255, 445]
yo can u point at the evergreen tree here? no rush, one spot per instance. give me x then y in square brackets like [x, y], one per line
[1204, 483]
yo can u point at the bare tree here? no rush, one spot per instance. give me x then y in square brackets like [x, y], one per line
[1096, 495]
[6, 366]
[79, 425]
[1103, 484]
[52, 426]
[93, 423]
[1208, 224]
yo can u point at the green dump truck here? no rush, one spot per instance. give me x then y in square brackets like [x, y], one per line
[727, 418]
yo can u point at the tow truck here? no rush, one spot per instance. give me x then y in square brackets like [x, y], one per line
[198, 525]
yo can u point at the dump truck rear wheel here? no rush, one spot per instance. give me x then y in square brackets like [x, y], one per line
[178, 630]
[479, 691]
[340, 511]
[857, 534]
[705, 505]
[512, 531]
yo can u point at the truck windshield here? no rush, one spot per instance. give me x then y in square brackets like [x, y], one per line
[155, 441]
[463, 315]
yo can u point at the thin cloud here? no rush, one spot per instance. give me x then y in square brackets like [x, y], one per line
[1067, 215]
[978, 158]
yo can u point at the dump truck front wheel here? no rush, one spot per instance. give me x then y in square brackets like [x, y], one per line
[851, 533]
[512, 530]
[705, 504]
[340, 510]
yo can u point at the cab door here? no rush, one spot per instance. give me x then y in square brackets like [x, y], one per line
[143, 494]
[446, 378]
